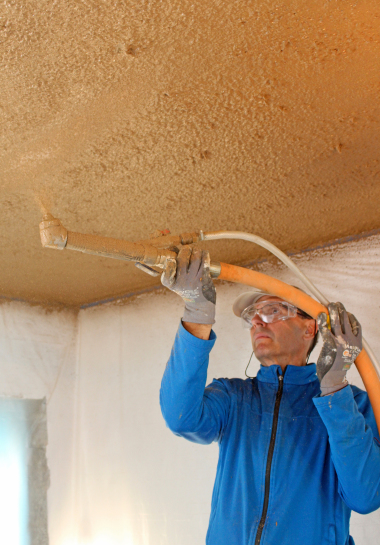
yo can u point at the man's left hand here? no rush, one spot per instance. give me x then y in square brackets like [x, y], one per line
[341, 346]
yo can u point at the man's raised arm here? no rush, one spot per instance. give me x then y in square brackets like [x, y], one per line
[347, 413]
[190, 410]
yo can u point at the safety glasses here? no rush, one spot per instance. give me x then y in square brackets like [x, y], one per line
[270, 311]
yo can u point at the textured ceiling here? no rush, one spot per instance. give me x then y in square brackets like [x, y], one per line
[124, 117]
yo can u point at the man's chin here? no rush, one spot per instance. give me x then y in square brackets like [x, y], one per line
[262, 351]
[263, 343]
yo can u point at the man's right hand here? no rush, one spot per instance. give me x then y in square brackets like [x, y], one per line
[341, 346]
[189, 276]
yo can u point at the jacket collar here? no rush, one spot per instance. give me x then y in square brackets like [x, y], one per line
[293, 374]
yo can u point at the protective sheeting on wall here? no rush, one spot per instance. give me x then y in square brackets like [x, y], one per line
[118, 475]
[24, 475]
[37, 361]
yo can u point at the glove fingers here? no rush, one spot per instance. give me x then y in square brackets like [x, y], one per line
[342, 318]
[206, 258]
[208, 288]
[335, 310]
[323, 327]
[196, 264]
[183, 260]
[169, 274]
[205, 264]
[355, 325]
[328, 353]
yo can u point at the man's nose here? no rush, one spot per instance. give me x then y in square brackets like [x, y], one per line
[257, 320]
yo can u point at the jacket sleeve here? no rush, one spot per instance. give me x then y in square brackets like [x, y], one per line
[355, 446]
[190, 410]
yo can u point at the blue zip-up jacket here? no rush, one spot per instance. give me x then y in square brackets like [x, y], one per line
[292, 465]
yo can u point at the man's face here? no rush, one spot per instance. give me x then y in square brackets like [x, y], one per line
[285, 339]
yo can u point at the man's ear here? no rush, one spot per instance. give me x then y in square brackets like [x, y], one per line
[311, 329]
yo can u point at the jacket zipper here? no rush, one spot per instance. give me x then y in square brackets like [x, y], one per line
[270, 457]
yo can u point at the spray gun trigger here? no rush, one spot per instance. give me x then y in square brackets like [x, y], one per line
[147, 269]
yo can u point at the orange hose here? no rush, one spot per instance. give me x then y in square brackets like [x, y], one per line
[303, 301]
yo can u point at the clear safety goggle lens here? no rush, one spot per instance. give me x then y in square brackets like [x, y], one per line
[269, 312]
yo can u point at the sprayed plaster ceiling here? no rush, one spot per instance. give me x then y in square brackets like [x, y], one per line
[121, 117]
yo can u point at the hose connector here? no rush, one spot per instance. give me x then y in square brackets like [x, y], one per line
[52, 233]
[215, 269]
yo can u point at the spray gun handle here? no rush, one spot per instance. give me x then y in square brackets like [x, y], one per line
[140, 252]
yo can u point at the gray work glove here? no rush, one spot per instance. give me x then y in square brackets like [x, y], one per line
[340, 349]
[189, 276]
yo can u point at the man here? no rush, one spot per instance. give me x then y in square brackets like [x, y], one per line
[297, 450]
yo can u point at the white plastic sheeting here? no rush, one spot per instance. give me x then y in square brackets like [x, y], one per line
[24, 475]
[37, 360]
[118, 476]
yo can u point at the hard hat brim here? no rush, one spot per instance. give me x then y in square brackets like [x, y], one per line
[247, 299]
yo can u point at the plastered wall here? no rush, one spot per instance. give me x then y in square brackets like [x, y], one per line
[118, 475]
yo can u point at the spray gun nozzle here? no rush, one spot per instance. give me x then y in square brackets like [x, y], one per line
[52, 233]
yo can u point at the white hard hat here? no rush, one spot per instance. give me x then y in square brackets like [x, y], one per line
[247, 299]
[250, 297]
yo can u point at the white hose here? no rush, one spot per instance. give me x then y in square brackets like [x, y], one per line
[216, 235]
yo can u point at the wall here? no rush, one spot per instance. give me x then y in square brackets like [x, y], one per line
[118, 476]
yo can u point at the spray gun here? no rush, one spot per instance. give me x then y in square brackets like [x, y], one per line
[145, 253]
[155, 251]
